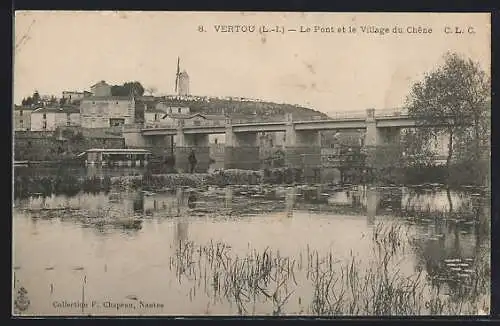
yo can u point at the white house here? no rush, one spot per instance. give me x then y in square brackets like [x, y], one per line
[49, 118]
[107, 111]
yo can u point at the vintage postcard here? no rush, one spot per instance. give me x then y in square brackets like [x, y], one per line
[251, 163]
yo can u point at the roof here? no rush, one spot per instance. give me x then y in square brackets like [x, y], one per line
[20, 107]
[153, 110]
[117, 151]
[57, 110]
[100, 82]
[147, 97]
[192, 115]
[107, 98]
[75, 92]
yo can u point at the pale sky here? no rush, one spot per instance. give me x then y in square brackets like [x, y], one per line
[330, 72]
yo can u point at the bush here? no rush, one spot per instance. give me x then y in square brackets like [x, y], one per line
[234, 177]
[283, 175]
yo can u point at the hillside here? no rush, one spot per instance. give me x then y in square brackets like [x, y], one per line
[243, 107]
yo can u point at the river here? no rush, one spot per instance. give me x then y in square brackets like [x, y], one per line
[253, 250]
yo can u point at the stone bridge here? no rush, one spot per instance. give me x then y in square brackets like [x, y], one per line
[302, 138]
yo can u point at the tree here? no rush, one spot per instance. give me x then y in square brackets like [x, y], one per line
[416, 151]
[53, 100]
[454, 96]
[127, 89]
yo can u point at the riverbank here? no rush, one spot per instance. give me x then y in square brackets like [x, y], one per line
[68, 182]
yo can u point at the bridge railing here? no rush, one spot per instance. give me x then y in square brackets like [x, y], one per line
[132, 126]
[258, 119]
[156, 124]
[359, 114]
[347, 115]
[390, 112]
[204, 123]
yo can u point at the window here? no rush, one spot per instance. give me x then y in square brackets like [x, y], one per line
[44, 125]
[21, 113]
[170, 110]
[45, 115]
[179, 110]
[21, 123]
[68, 123]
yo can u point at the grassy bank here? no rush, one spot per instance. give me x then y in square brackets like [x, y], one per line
[216, 178]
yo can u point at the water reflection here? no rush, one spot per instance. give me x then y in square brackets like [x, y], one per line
[78, 171]
[451, 232]
[192, 200]
[181, 230]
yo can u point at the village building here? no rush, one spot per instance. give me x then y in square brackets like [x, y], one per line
[153, 117]
[49, 118]
[73, 96]
[107, 111]
[165, 107]
[101, 89]
[22, 118]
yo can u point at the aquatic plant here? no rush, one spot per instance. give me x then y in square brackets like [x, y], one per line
[373, 286]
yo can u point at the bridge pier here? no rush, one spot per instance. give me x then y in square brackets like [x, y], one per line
[242, 150]
[184, 144]
[382, 144]
[158, 144]
[302, 149]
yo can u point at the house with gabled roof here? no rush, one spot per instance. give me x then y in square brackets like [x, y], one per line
[49, 118]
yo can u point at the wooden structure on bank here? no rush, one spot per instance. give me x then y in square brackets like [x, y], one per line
[116, 157]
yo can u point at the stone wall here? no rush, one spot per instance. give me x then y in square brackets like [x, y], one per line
[47, 146]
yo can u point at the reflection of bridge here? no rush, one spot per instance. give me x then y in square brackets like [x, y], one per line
[382, 129]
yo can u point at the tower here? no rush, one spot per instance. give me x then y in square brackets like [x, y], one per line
[181, 81]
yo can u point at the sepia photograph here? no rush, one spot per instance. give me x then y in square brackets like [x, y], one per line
[251, 164]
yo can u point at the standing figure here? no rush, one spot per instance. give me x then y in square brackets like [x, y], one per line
[192, 161]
